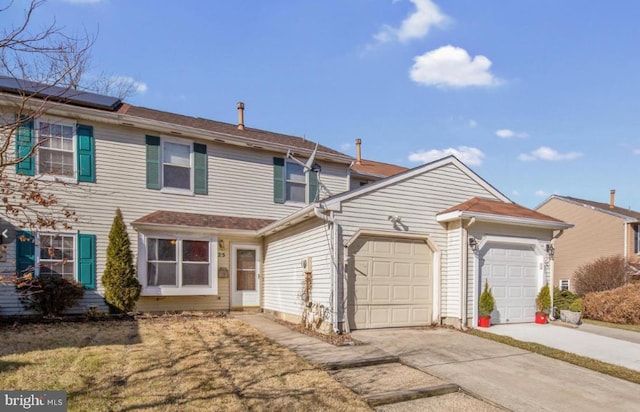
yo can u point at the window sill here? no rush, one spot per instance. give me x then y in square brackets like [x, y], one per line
[296, 204]
[177, 191]
[54, 178]
[176, 291]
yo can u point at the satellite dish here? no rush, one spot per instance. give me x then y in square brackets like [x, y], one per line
[309, 165]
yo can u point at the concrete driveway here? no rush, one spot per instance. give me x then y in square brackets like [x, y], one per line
[510, 377]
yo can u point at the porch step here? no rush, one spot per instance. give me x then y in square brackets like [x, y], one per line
[246, 309]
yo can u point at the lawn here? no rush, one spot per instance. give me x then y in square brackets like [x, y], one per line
[171, 363]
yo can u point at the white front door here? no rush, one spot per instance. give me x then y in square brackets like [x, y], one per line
[245, 275]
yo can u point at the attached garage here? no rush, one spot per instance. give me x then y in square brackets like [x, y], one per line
[390, 282]
[512, 273]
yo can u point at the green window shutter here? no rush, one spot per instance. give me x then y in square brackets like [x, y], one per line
[154, 161]
[278, 180]
[25, 252]
[85, 152]
[87, 260]
[200, 183]
[313, 186]
[24, 142]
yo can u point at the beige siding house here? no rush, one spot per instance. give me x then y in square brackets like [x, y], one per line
[223, 216]
[601, 229]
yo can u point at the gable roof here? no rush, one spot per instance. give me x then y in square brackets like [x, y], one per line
[627, 214]
[376, 169]
[165, 218]
[497, 211]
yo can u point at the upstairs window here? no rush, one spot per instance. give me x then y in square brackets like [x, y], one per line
[295, 183]
[636, 238]
[56, 152]
[176, 166]
[292, 184]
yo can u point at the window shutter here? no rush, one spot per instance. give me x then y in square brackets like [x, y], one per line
[637, 239]
[87, 260]
[278, 180]
[85, 152]
[200, 184]
[153, 162]
[24, 142]
[25, 252]
[313, 186]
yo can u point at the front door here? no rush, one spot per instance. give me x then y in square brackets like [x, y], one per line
[245, 278]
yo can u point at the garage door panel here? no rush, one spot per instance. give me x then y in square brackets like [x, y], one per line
[512, 273]
[393, 287]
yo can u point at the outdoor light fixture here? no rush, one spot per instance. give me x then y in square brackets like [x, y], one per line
[551, 250]
[473, 243]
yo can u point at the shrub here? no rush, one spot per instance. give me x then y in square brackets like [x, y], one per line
[122, 288]
[620, 305]
[487, 302]
[576, 306]
[602, 274]
[562, 299]
[543, 300]
[49, 294]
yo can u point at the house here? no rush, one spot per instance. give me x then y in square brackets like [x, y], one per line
[222, 217]
[615, 228]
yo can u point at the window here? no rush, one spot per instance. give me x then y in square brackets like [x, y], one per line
[178, 263]
[636, 238]
[57, 255]
[564, 284]
[176, 166]
[56, 152]
[295, 183]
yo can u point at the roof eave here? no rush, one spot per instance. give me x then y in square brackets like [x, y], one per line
[502, 219]
[293, 219]
[157, 227]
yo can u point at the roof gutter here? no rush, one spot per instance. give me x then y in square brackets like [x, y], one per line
[507, 220]
[158, 227]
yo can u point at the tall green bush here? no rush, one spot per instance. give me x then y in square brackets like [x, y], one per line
[562, 300]
[122, 288]
[487, 302]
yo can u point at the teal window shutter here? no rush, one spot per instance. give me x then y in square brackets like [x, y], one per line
[25, 252]
[154, 162]
[200, 183]
[87, 260]
[86, 154]
[278, 180]
[24, 143]
[313, 186]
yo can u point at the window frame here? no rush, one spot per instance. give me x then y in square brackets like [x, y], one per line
[182, 142]
[38, 250]
[74, 142]
[561, 281]
[179, 289]
[636, 239]
[287, 182]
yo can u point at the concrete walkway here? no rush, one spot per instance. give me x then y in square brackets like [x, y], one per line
[617, 347]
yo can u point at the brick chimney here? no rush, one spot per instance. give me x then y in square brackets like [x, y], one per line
[240, 116]
[612, 199]
[358, 151]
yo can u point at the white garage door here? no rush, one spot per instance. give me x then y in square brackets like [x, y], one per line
[512, 272]
[390, 283]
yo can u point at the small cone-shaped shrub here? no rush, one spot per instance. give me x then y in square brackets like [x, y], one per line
[487, 302]
[122, 288]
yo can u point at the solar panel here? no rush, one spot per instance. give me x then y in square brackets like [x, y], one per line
[61, 94]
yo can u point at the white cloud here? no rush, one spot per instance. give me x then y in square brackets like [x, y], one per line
[128, 82]
[507, 134]
[416, 25]
[547, 153]
[345, 146]
[472, 123]
[515, 193]
[541, 193]
[468, 155]
[636, 151]
[451, 66]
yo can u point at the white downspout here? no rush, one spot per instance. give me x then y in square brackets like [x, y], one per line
[465, 268]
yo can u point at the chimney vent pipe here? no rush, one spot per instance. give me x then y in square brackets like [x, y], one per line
[358, 151]
[612, 199]
[240, 116]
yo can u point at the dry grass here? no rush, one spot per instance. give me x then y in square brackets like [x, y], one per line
[633, 328]
[167, 364]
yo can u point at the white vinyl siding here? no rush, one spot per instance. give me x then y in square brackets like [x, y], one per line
[451, 297]
[284, 276]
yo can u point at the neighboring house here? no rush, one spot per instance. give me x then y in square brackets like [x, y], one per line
[368, 171]
[221, 219]
[601, 229]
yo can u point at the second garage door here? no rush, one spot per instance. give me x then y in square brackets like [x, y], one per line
[390, 283]
[512, 273]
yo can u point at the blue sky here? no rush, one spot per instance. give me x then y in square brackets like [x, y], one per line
[537, 97]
